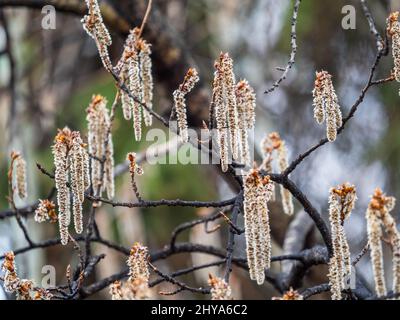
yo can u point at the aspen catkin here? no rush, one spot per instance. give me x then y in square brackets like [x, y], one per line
[326, 106]
[220, 290]
[101, 146]
[393, 28]
[246, 104]
[341, 203]
[20, 174]
[188, 84]
[95, 27]
[378, 217]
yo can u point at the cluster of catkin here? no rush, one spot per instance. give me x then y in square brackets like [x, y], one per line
[135, 68]
[23, 288]
[326, 106]
[191, 78]
[274, 148]
[71, 162]
[101, 146]
[220, 290]
[95, 27]
[137, 286]
[46, 211]
[379, 219]
[393, 29]
[234, 106]
[257, 194]
[341, 203]
[18, 166]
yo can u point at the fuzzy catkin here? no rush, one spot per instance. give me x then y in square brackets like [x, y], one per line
[116, 291]
[393, 28]
[246, 104]
[46, 211]
[290, 295]
[147, 78]
[101, 145]
[20, 174]
[230, 96]
[137, 262]
[379, 217]
[341, 203]
[95, 27]
[287, 199]
[77, 173]
[180, 107]
[60, 152]
[257, 193]
[374, 239]
[326, 106]
[220, 290]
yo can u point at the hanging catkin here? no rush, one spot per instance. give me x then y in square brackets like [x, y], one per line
[101, 146]
[191, 78]
[257, 193]
[274, 148]
[19, 170]
[379, 217]
[341, 203]
[95, 27]
[393, 29]
[326, 106]
[246, 104]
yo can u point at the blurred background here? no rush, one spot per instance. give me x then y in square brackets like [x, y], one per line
[47, 78]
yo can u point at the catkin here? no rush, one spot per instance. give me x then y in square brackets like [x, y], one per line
[11, 280]
[341, 203]
[101, 146]
[326, 106]
[246, 104]
[379, 217]
[257, 193]
[220, 290]
[116, 291]
[191, 78]
[287, 199]
[274, 148]
[77, 168]
[290, 295]
[393, 28]
[95, 27]
[46, 211]
[137, 262]
[20, 174]
[335, 264]
[71, 162]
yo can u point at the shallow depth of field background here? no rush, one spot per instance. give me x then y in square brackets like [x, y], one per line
[59, 70]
